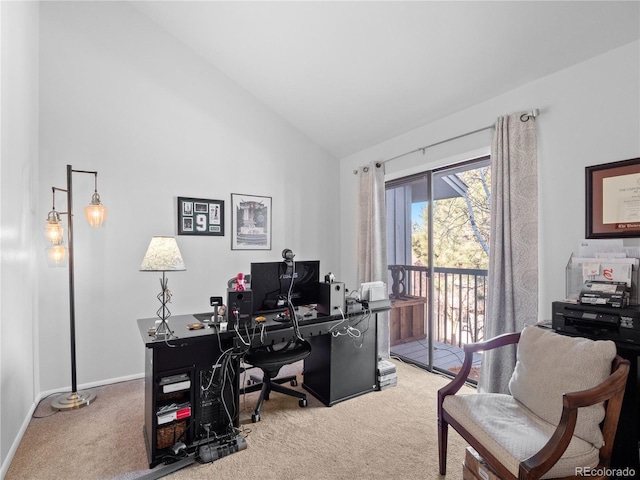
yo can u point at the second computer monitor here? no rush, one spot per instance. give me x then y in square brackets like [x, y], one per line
[271, 281]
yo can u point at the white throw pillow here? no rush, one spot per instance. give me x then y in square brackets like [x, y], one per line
[549, 365]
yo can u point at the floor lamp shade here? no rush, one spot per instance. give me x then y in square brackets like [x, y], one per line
[57, 255]
[54, 231]
[95, 212]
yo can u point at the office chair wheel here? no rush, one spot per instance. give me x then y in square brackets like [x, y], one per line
[302, 402]
[255, 417]
[294, 383]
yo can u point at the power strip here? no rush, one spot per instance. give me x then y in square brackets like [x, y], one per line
[207, 453]
[211, 452]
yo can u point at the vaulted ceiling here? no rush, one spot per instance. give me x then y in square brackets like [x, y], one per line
[353, 74]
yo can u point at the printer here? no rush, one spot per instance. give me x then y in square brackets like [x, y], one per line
[622, 325]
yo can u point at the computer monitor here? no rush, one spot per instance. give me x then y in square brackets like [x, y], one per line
[270, 282]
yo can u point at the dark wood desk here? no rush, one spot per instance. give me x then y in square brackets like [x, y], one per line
[186, 371]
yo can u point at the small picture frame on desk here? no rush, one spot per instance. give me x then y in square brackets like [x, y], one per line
[250, 222]
[199, 216]
[613, 199]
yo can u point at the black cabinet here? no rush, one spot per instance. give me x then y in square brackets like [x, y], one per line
[571, 319]
[626, 450]
[341, 367]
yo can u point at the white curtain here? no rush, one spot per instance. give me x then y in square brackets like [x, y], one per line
[512, 299]
[372, 239]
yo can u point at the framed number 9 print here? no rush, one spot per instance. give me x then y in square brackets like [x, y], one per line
[199, 216]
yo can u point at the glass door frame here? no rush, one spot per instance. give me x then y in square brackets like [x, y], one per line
[429, 176]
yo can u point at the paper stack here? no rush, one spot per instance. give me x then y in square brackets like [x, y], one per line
[603, 261]
[387, 376]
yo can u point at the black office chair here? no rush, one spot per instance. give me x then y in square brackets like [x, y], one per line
[270, 359]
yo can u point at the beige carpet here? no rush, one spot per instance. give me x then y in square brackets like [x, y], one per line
[381, 435]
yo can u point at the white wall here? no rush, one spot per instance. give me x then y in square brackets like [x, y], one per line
[120, 96]
[589, 114]
[18, 173]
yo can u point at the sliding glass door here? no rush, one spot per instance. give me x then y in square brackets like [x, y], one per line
[438, 255]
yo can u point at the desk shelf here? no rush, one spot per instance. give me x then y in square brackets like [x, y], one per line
[171, 395]
[181, 374]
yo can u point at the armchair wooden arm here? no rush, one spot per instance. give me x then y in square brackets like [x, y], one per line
[469, 349]
[610, 391]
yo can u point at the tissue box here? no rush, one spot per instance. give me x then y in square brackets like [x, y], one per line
[478, 467]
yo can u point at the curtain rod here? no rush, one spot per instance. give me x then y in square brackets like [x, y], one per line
[523, 118]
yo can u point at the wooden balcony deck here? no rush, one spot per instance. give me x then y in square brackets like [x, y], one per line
[445, 356]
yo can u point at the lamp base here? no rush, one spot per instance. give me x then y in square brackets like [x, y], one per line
[163, 329]
[73, 400]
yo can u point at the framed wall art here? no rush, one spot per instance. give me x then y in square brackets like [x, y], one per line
[199, 216]
[613, 199]
[250, 222]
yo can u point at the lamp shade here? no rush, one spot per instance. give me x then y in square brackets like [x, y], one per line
[95, 213]
[162, 255]
[56, 255]
[54, 232]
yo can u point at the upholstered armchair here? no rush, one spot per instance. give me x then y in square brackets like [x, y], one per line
[560, 417]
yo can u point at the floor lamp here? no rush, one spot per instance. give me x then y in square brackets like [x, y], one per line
[57, 255]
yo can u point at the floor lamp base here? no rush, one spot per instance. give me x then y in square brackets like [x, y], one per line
[73, 400]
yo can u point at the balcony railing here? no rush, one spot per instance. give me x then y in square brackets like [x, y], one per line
[459, 302]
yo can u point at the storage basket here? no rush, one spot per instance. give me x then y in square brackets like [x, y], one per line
[168, 435]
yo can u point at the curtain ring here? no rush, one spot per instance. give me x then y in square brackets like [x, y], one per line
[378, 164]
[526, 116]
[365, 169]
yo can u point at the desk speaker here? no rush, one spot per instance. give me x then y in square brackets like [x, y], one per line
[239, 307]
[331, 301]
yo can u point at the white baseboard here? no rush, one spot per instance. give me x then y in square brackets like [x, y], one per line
[85, 386]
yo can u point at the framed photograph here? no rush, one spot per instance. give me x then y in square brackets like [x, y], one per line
[250, 222]
[199, 216]
[613, 199]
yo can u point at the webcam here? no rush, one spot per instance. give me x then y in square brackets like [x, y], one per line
[287, 255]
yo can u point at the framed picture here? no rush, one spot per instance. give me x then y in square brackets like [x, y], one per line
[199, 216]
[613, 199]
[250, 222]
